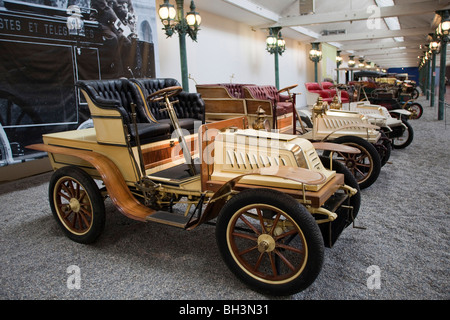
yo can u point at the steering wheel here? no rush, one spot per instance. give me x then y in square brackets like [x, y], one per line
[287, 88]
[163, 93]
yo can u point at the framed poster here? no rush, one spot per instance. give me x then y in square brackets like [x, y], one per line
[46, 46]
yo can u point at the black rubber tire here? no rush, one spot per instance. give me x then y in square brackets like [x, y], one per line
[77, 204]
[415, 94]
[346, 216]
[349, 179]
[262, 277]
[365, 177]
[401, 144]
[384, 148]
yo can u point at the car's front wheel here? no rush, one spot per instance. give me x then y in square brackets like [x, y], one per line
[270, 241]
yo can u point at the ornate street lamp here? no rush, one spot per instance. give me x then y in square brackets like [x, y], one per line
[442, 33]
[315, 55]
[275, 45]
[361, 62]
[351, 62]
[175, 21]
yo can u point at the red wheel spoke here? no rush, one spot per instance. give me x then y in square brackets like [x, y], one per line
[63, 195]
[365, 165]
[85, 212]
[77, 191]
[83, 217]
[241, 253]
[74, 221]
[283, 258]
[258, 262]
[70, 188]
[82, 196]
[284, 235]
[66, 189]
[360, 172]
[67, 214]
[249, 224]
[244, 236]
[275, 222]
[291, 248]
[273, 265]
[261, 218]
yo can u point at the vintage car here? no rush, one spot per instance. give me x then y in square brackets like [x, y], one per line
[387, 92]
[275, 203]
[323, 122]
[397, 129]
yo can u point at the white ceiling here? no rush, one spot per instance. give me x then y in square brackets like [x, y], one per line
[371, 39]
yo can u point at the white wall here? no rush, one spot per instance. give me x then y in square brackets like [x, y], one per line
[225, 48]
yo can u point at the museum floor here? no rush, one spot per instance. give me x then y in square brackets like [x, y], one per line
[405, 215]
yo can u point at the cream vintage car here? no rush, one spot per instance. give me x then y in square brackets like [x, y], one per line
[325, 122]
[276, 205]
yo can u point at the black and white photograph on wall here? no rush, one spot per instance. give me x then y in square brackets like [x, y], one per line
[46, 46]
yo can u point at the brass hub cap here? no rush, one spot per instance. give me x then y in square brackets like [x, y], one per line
[266, 243]
[74, 205]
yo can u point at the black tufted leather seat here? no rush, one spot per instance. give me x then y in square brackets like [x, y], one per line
[189, 109]
[118, 94]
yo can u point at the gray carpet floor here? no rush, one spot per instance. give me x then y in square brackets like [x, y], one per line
[406, 241]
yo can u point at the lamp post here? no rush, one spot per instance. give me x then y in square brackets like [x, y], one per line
[174, 21]
[351, 64]
[315, 55]
[442, 32]
[427, 76]
[434, 48]
[275, 45]
[338, 63]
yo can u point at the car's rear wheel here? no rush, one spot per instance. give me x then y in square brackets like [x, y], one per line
[365, 166]
[77, 204]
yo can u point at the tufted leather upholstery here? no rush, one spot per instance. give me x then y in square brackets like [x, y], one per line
[325, 92]
[268, 92]
[312, 86]
[118, 94]
[235, 89]
[190, 106]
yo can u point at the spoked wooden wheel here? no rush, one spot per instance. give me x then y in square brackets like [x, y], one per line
[415, 109]
[365, 166]
[270, 241]
[77, 204]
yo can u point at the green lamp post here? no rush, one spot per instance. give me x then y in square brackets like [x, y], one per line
[351, 64]
[338, 63]
[442, 32]
[434, 48]
[315, 55]
[175, 21]
[275, 45]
